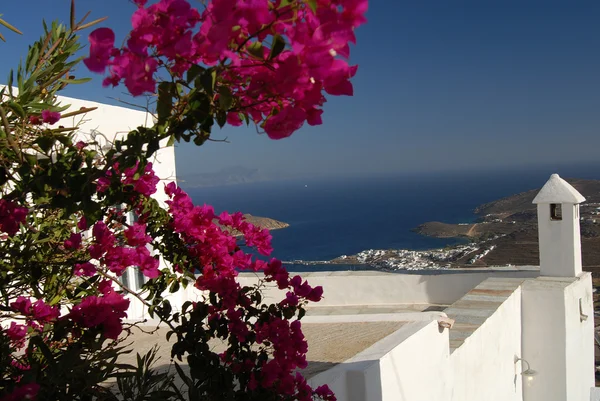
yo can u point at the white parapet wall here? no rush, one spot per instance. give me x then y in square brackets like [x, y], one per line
[411, 364]
[401, 288]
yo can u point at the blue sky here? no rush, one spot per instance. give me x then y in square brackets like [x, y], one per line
[440, 86]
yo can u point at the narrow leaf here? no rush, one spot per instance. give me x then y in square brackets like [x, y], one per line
[171, 140]
[16, 108]
[75, 81]
[89, 24]
[9, 26]
[82, 110]
[72, 15]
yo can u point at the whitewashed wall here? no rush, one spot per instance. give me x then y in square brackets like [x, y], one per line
[418, 369]
[556, 342]
[380, 288]
[409, 365]
[484, 365]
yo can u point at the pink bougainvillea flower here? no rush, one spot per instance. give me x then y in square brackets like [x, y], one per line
[24, 392]
[102, 41]
[85, 269]
[16, 333]
[145, 184]
[50, 117]
[22, 304]
[74, 241]
[102, 184]
[284, 123]
[313, 117]
[104, 239]
[35, 120]
[106, 311]
[11, 216]
[136, 235]
[82, 223]
[44, 313]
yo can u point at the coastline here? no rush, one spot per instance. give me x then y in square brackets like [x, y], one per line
[406, 259]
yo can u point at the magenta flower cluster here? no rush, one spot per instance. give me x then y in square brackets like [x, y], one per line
[280, 91]
[11, 216]
[219, 257]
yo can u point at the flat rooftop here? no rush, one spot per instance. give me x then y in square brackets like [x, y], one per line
[329, 343]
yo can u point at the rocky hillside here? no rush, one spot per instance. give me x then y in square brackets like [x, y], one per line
[507, 229]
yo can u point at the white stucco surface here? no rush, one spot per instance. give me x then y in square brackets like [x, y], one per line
[559, 239]
[410, 364]
[556, 341]
[557, 190]
[380, 288]
[563, 260]
[483, 367]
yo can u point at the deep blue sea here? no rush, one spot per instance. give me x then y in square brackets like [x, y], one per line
[333, 217]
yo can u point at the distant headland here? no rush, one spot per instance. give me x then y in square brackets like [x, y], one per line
[265, 222]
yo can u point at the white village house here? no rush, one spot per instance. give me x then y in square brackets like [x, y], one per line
[509, 333]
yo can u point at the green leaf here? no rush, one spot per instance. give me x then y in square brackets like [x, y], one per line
[32, 57]
[171, 141]
[277, 47]
[41, 345]
[31, 159]
[198, 140]
[75, 81]
[10, 82]
[16, 108]
[9, 26]
[221, 118]
[194, 71]
[165, 101]
[174, 287]
[45, 142]
[256, 49]
[313, 5]
[225, 98]
[207, 81]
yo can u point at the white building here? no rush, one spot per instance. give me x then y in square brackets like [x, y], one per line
[510, 333]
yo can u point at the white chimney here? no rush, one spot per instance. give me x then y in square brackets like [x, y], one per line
[558, 228]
